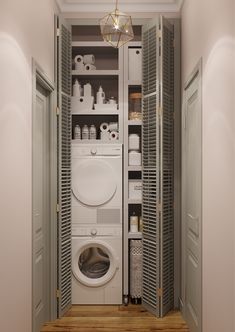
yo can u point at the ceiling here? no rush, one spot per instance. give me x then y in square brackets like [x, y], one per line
[136, 6]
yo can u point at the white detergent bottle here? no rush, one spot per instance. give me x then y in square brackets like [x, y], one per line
[92, 132]
[77, 132]
[100, 96]
[87, 90]
[85, 132]
[77, 89]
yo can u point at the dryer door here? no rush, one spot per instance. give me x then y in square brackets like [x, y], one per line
[94, 264]
[93, 181]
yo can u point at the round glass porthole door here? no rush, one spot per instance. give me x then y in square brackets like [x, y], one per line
[94, 264]
[93, 182]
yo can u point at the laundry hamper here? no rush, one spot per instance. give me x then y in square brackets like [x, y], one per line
[136, 258]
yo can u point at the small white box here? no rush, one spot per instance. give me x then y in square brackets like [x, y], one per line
[134, 158]
[135, 64]
[81, 104]
[135, 189]
[134, 142]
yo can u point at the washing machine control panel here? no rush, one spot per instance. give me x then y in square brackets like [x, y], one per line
[96, 150]
[96, 231]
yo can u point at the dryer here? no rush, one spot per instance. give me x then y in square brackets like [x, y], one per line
[97, 184]
[97, 264]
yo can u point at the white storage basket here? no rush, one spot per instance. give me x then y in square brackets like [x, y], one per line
[136, 259]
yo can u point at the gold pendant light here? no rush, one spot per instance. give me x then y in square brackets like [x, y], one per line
[116, 28]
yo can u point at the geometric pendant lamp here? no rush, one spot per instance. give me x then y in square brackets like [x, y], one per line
[116, 28]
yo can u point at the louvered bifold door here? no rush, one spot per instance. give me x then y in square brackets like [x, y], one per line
[158, 153]
[64, 168]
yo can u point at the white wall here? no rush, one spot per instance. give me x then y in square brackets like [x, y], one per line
[26, 31]
[208, 31]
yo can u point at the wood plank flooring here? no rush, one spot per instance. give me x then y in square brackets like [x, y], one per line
[131, 318]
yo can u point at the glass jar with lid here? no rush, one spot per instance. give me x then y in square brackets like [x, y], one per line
[135, 106]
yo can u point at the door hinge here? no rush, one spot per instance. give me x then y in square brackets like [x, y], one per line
[159, 292]
[58, 293]
[57, 208]
[159, 33]
[57, 32]
[57, 111]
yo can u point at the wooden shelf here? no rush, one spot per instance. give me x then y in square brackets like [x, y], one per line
[134, 201]
[135, 168]
[95, 73]
[135, 236]
[134, 82]
[93, 141]
[90, 44]
[135, 123]
[95, 112]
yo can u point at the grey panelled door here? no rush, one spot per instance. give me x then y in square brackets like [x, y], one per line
[41, 210]
[64, 168]
[192, 196]
[158, 166]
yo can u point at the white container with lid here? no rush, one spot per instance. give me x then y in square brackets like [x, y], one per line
[85, 132]
[134, 158]
[134, 142]
[134, 223]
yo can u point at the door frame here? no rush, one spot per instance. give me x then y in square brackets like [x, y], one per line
[197, 71]
[39, 77]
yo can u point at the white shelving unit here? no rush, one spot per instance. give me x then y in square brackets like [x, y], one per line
[108, 74]
[130, 126]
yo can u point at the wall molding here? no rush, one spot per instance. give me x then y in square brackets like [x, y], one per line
[134, 6]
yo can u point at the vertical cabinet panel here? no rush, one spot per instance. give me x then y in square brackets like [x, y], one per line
[158, 166]
[64, 169]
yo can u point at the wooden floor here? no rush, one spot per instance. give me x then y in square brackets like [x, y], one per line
[131, 318]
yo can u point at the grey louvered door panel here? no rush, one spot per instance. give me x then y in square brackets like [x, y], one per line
[167, 167]
[157, 147]
[64, 169]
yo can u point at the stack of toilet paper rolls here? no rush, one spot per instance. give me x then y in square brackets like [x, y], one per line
[85, 62]
[109, 131]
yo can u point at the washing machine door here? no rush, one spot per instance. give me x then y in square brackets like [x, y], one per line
[94, 181]
[94, 264]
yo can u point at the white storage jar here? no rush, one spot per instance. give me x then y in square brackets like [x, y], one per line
[134, 142]
[134, 158]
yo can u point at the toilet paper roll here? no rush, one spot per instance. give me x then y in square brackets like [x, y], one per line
[104, 136]
[113, 136]
[79, 66]
[90, 67]
[89, 59]
[113, 126]
[104, 127]
[79, 59]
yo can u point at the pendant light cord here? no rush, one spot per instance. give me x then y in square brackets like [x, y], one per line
[116, 5]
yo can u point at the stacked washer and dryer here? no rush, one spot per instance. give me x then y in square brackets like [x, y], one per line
[96, 224]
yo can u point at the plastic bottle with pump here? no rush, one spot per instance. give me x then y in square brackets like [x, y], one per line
[77, 132]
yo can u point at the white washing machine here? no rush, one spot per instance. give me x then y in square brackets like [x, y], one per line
[97, 184]
[97, 264]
